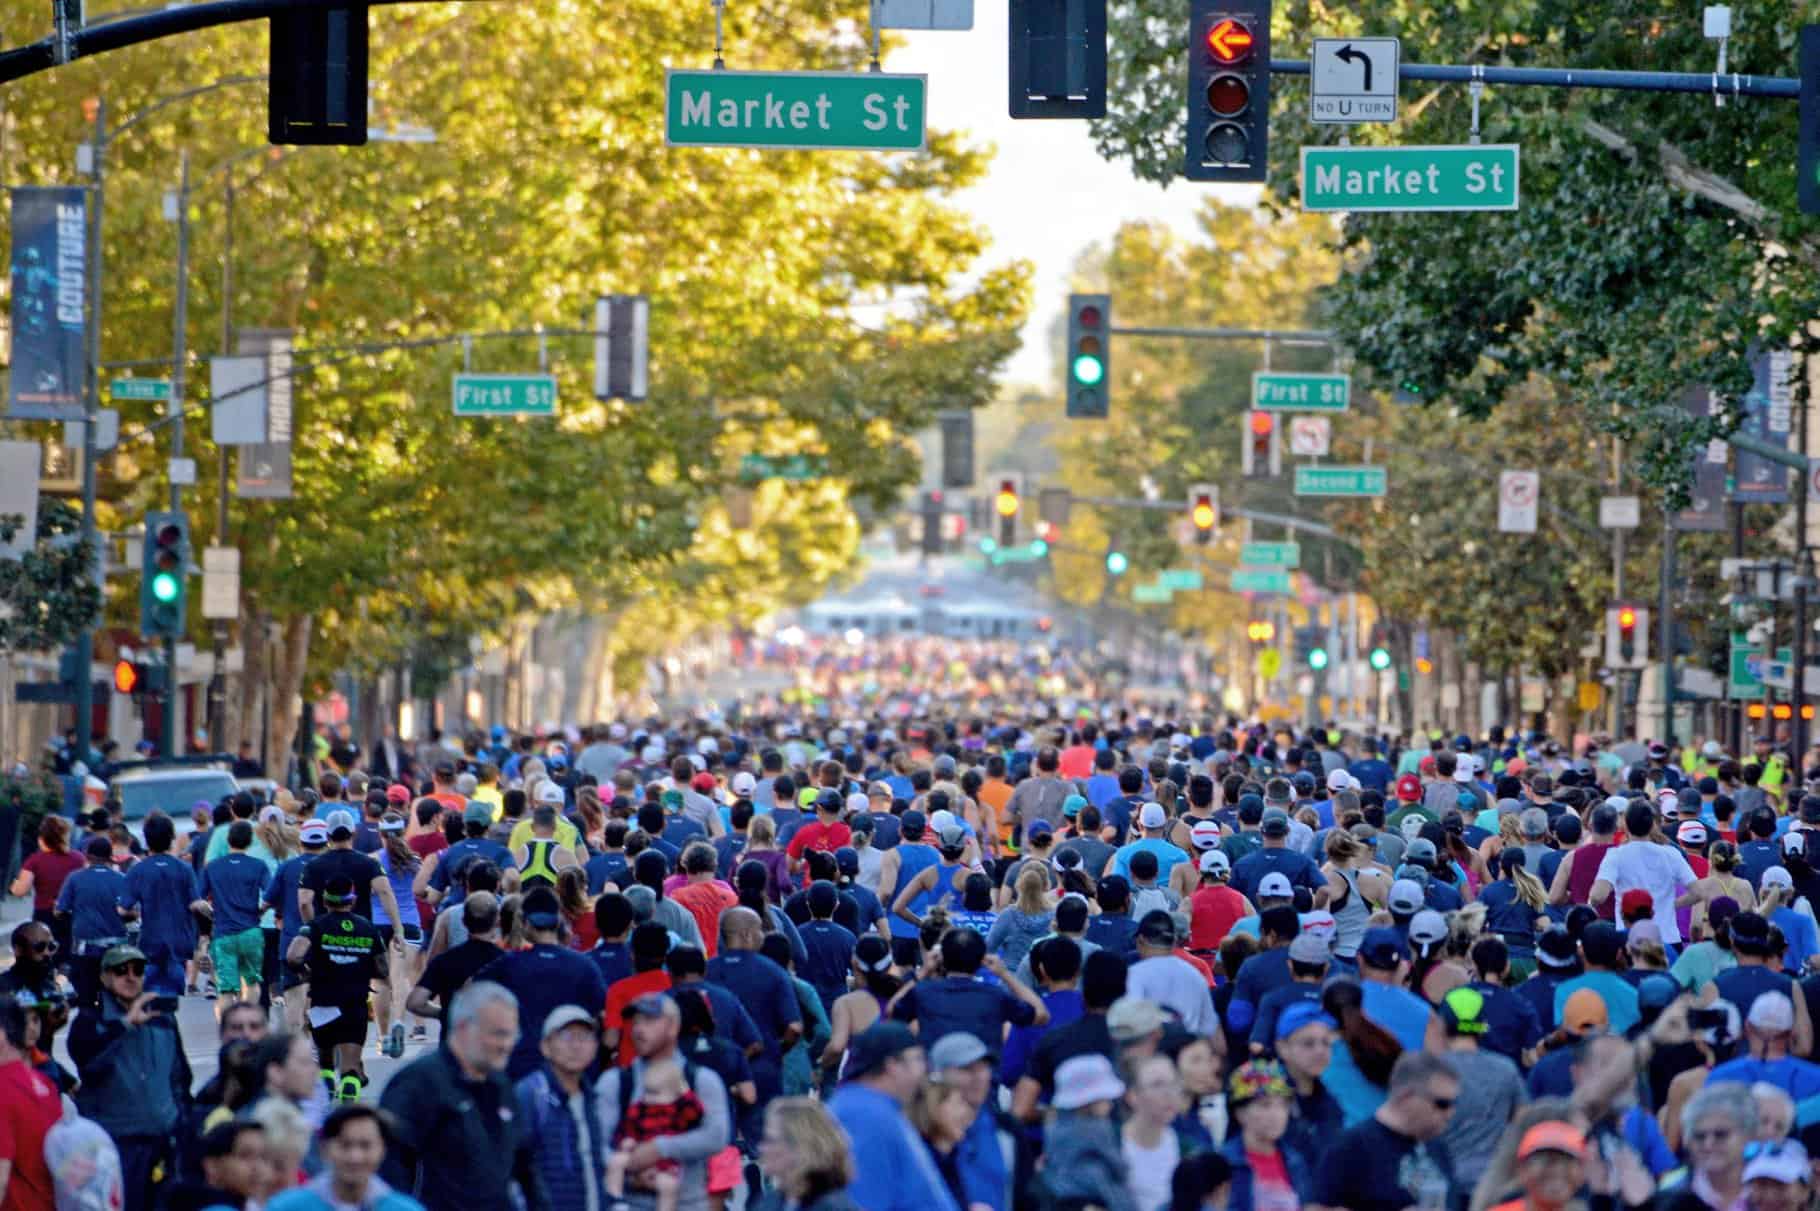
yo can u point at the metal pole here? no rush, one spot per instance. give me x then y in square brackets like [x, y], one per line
[1804, 575]
[1617, 584]
[1665, 628]
[218, 681]
[1735, 706]
[179, 353]
[85, 643]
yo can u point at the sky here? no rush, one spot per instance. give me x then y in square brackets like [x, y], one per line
[1048, 194]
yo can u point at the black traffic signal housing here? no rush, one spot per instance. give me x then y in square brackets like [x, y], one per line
[1627, 632]
[1058, 58]
[1807, 148]
[1203, 513]
[318, 89]
[1262, 452]
[932, 523]
[1007, 498]
[1228, 90]
[1311, 647]
[1089, 359]
[164, 576]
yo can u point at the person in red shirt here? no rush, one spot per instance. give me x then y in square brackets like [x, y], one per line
[1214, 908]
[29, 1107]
[650, 947]
[42, 873]
[826, 832]
[1077, 759]
[704, 895]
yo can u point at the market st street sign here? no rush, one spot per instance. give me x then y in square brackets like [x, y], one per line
[801, 110]
[1459, 177]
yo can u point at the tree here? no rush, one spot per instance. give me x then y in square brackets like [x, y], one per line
[48, 595]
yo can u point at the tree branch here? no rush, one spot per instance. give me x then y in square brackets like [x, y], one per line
[1683, 174]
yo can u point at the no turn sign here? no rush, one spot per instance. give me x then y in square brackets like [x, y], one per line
[1518, 495]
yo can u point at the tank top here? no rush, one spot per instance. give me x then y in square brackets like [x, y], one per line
[401, 891]
[913, 858]
[1349, 919]
[1587, 860]
[537, 862]
[943, 893]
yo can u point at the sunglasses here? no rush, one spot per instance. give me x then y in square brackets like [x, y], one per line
[128, 969]
[47, 947]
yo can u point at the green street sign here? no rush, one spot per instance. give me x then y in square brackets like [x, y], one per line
[1340, 481]
[754, 467]
[1744, 684]
[1459, 177]
[1180, 580]
[1151, 594]
[505, 395]
[142, 388]
[803, 110]
[1271, 554]
[1244, 581]
[1274, 392]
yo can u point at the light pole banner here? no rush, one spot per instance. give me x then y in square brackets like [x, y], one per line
[50, 304]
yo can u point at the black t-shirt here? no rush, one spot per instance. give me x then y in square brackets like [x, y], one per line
[1087, 1036]
[343, 959]
[1372, 1168]
[332, 864]
[448, 971]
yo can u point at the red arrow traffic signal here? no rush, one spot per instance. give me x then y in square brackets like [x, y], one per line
[1230, 41]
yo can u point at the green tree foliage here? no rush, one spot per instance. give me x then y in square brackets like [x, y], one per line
[48, 595]
[820, 302]
[1658, 237]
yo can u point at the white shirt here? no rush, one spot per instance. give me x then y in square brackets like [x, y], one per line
[1151, 1169]
[1175, 985]
[1660, 870]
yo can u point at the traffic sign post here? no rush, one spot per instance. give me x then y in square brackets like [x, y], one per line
[1519, 494]
[1250, 581]
[156, 389]
[505, 395]
[1620, 512]
[1341, 481]
[755, 467]
[1352, 80]
[800, 110]
[1278, 392]
[1460, 177]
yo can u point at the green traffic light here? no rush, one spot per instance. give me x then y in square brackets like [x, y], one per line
[1317, 659]
[1117, 563]
[164, 587]
[1039, 548]
[988, 546]
[1380, 659]
[1089, 370]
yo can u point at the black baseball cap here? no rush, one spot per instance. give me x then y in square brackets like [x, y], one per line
[872, 1047]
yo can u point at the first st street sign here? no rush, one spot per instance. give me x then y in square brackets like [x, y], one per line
[803, 110]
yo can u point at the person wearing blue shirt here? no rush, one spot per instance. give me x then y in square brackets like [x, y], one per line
[959, 1001]
[235, 887]
[1114, 929]
[962, 1063]
[1601, 948]
[765, 989]
[1768, 1030]
[1265, 971]
[90, 902]
[1797, 928]
[1383, 963]
[612, 953]
[543, 977]
[1154, 822]
[475, 820]
[1372, 772]
[1119, 809]
[161, 888]
[829, 946]
[885, 1069]
[688, 968]
[1103, 783]
[1275, 855]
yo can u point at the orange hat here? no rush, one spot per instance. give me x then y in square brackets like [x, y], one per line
[1585, 1013]
[1553, 1137]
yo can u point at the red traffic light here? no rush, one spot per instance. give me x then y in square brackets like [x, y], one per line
[126, 676]
[1230, 41]
[1627, 618]
[1088, 316]
[1262, 423]
[1228, 95]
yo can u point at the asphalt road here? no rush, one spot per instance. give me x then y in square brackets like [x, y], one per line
[196, 1021]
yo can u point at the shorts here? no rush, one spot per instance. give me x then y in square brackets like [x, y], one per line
[726, 1170]
[347, 1030]
[413, 936]
[238, 957]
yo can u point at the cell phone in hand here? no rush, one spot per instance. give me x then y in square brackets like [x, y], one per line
[164, 1005]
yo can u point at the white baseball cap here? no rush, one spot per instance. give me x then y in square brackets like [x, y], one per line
[1276, 885]
[1152, 816]
[1777, 876]
[549, 792]
[857, 802]
[1215, 862]
[1339, 780]
[1205, 835]
[743, 784]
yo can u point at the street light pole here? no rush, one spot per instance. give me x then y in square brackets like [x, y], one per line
[85, 643]
[179, 353]
[219, 628]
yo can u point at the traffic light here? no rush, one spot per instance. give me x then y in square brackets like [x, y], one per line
[1058, 59]
[1317, 658]
[1263, 448]
[1005, 504]
[318, 71]
[1380, 659]
[127, 677]
[932, 523]
[1228, 90]
[1117, 563]
[164, 576]
[1089, 349]
[1626, 636]
[1807, 145]
[1260, 631]
[1203, 512]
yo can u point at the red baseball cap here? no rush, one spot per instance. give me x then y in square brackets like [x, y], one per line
[1635, 900]
[398, 792]
[703, 782]
[1409, 789]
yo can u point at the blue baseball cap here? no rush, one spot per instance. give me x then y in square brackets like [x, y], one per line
[1300, 1014]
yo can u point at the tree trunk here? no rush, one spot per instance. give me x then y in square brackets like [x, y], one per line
[246, 720]
[290, 661]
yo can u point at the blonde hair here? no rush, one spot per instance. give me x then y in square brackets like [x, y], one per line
[286, 1130]
[279, 838]
[1529, 888]
[922, 1112]
[1032, 889]
[762, 831]
[823, 1161]
[1342, 847]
